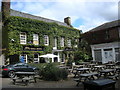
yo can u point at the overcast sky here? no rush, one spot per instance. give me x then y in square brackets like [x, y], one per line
[84, 15]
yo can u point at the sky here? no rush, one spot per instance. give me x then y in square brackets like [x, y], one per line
[85, 15]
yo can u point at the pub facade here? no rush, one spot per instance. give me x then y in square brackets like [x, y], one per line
[26, 37]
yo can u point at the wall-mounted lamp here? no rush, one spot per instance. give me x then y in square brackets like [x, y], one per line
[12, 40]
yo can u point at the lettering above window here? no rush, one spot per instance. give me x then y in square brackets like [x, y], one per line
[22, 38]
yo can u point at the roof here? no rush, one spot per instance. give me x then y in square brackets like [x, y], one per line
[106, 26]
[26, 15]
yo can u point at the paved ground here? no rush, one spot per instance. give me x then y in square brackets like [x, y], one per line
[69, 83]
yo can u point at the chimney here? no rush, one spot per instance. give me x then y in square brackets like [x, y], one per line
[5, 9]
[67, 20]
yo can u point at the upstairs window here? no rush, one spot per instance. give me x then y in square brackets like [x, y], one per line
[55, 42]
[69, 42]
[107, 34]
[76, 41]
[35, 39]
[46, 40]
[62, 42]
[22, 38]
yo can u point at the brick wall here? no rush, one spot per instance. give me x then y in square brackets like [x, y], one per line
[100, 36]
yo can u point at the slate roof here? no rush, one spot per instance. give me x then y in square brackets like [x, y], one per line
[112, 24]
[26, 15]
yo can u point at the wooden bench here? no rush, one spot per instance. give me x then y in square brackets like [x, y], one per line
[25, 77]
[86, 76]
[99, 84]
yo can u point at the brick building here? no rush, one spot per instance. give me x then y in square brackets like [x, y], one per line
[105, 41]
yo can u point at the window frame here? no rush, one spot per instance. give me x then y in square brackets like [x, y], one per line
[21, 38]
[55, 41]
[46, 40]
[69, 42]
[36, 38]
[62, 42]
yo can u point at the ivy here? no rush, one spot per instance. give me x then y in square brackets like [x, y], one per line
[16, 24]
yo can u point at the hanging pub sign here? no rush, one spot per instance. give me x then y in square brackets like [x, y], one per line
[32, 48]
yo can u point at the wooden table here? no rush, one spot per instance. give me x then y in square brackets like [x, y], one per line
[24, 76]
[110, 66]
[81, 70]
[98, 68]
[86, 76]
[91, 65]
[107, 72]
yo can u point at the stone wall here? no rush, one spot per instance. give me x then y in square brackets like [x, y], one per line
[21, 14]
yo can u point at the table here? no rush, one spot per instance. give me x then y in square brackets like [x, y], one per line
[98, 68]
[81, 70]
[87, 76]
[99, 84]
[117, 69]
[91, 65]
[107, 72]
[24, 76]
[110, 66]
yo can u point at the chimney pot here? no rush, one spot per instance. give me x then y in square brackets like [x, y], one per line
[67, 20]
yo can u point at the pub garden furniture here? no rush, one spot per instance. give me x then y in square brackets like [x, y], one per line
[25, 77]
[81, 70]
[85, 77]
[116, 75]
[110, 66]
[107, 72]
[98, 68]
[99, 84]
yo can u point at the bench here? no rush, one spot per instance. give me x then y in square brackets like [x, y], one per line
[99, 84]
[86, 76]
[25, 77]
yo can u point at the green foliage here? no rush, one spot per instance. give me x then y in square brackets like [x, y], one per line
[81, 56]
[50, 71]
[16, 24]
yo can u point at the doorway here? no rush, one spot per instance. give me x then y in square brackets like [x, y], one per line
[108, 55]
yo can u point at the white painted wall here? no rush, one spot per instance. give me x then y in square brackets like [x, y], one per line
[104, 46]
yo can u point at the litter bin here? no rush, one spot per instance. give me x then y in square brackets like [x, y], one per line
[99, 84]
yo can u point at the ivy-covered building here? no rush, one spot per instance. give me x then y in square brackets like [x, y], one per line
[26, 37]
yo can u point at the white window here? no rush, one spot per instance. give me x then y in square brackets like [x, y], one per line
[69, 42]
[22, 38]
[35, 39]
[55, 42]
[62, 42]
[76, 41]
[46, 40]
